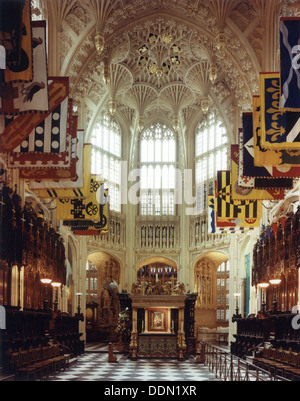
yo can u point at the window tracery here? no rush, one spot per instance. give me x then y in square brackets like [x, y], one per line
[106, 157]
[211, 155]
[158, 170]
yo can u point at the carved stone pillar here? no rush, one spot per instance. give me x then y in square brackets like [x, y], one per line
[181, 344]
[134, 335]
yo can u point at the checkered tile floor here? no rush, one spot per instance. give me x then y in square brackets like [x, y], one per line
[94, 366]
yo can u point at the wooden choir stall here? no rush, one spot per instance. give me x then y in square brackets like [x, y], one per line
[271, 336]
[32, 256]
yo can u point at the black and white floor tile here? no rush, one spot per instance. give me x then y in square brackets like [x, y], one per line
[94, 366]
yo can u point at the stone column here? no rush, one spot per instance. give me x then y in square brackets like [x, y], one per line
[134, 335]
[181, 334]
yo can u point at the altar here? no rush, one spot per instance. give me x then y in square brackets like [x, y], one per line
[158, 325]
[161, 345]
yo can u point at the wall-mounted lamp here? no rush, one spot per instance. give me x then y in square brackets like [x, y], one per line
[78, 308]
[56, 287]
[237, 296]
[46, 282]
[274, 282]
[263, 287]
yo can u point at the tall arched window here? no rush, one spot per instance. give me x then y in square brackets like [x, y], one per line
[223, 292]
[158, 170]
[106, 157]
[211, 155]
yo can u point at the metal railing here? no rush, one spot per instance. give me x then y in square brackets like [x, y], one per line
[228, 367]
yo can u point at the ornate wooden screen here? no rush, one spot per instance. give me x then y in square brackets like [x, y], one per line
[30, 243]
[157, 271]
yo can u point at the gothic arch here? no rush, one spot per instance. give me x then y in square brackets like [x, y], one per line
[217, 257]
[156, 259]
[206, 285]
[109, 265]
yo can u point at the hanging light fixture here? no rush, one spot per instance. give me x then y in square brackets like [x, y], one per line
[212, 73]
[205, 103]
[112, 107]
[99, 42]
[221, 43]
[106, 74]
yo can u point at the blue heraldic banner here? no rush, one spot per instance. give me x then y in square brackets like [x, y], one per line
[290, 63]
[263, 178]
[280, 129]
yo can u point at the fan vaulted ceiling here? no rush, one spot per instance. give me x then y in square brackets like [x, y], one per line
[164, 58]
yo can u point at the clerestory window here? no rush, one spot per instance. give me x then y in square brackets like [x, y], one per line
[211, 155]
[158, 156]
[106, 157]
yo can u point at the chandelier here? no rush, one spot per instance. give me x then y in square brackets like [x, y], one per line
[158, 54]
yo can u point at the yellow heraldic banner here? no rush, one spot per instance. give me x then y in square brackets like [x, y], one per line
[81, 208]
[262, 156]
[93, 228]
[74, 190]
[100, 225]
[234, 213]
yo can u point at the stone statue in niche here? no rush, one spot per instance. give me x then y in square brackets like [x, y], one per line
[171, 239]
[143, 236]
[108, 310]
[197, 230]
[157, 235]
[157, 288]
[180, 289]
[150, 234]
[112, 228]
[115, 271]
[111, 272]
[118, 229]
[136, 288]
[106, 298]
